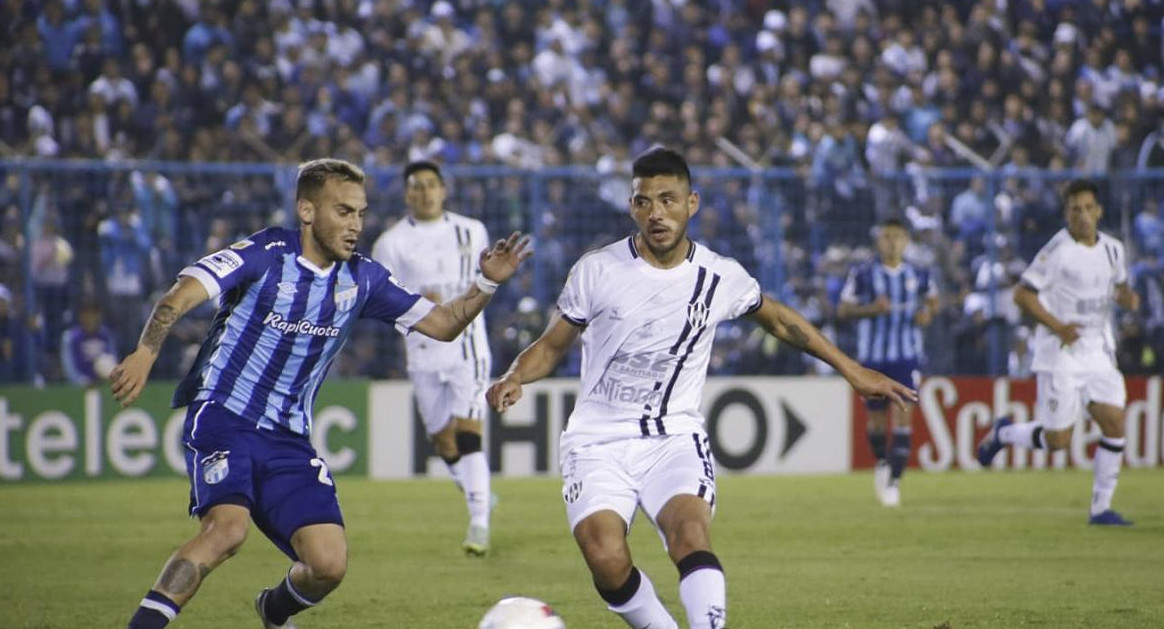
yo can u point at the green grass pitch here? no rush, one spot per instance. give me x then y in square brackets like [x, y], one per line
[995, 550]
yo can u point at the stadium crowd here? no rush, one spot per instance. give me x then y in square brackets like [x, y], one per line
[862, 101]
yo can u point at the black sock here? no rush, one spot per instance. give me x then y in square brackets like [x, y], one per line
[899, 455]
[284, 602]
[877, 443]
[623, 593]
[156, 611]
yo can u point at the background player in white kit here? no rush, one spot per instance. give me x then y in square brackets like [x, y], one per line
[1069, 289]
[646, 308]
[432, 251]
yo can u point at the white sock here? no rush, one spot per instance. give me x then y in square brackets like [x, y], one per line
[455, 471]
[473, 472]
[704, 595]
[1108, 457]
[1022, 434]
[644, 609]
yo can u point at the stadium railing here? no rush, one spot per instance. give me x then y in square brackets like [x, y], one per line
[131, 226]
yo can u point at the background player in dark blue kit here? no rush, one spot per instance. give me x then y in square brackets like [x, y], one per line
[287, 302]
[892, 299]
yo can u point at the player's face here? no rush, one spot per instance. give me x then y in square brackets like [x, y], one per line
[891, 243]
[336, 218]
[1083, 212]
[424, 193]
[661, 206]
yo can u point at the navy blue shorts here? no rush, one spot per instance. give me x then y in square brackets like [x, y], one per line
[904, 371]
[271, 471]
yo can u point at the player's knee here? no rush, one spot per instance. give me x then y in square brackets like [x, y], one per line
[467, 442]
[327, 572]
[688, 536]
[446, 445]
[226, 534]
[1057, 440]
[607, 557]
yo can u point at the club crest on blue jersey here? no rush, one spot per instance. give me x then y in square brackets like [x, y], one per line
[697, 314]
[215, 467]
[345, 297]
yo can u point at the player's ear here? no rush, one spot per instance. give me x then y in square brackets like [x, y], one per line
[692, 204]
[306, 211]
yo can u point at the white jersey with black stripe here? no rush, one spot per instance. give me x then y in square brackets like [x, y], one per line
[1076, 283]
[647, 338]
[438, 259]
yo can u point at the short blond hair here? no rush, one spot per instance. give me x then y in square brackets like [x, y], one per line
[313, 174]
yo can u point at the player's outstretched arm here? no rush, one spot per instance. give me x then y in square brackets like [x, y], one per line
[498, 263]
[789, 326]
[1027, 299]
[130, 376]
[534, 362]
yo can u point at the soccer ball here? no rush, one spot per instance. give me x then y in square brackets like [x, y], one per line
[520, 612]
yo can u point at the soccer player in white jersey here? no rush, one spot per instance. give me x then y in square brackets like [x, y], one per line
[432, 251]
[646, 308]
[1069, 289]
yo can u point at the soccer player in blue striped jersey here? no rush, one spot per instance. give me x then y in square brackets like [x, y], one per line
[891, 300]
[287, 302]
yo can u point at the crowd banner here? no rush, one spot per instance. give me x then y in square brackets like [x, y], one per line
[61, 433]
[954, 413]
[756, 425]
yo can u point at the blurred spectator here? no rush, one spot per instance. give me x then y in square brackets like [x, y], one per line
[1091, 140]
[52, 256]
[1152, 148]
[125, 252]
[1148, 229]
[10, 335]
[112, 87]
[970, 215]
[156, 203]
[1018, 360]
[88, 349]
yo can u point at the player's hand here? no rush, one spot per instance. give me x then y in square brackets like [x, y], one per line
[881, 306]
[874, 384]
[1068, 333]
[1127, 299]
[130, 376]
[923, 317]
[499, 262]
[503, 394]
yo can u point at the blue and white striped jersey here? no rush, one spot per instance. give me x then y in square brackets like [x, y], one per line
[891, 337]
[281, 322]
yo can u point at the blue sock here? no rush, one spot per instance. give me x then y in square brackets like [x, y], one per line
[877, 443]
[283, 602]
[899, 455]
[156, 611]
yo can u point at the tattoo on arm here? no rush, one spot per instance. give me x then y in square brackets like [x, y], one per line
[181, 576]
[163, 316]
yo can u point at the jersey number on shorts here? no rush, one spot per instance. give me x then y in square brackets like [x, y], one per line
[324, 474]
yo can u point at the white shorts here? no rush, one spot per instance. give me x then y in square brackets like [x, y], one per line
[1062, 397]
[638, 471]
[443, 395]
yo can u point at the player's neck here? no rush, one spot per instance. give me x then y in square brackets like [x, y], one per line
[311, 252]
[1086, 240]
[669, 259]
[426, 219]
[892, 265]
